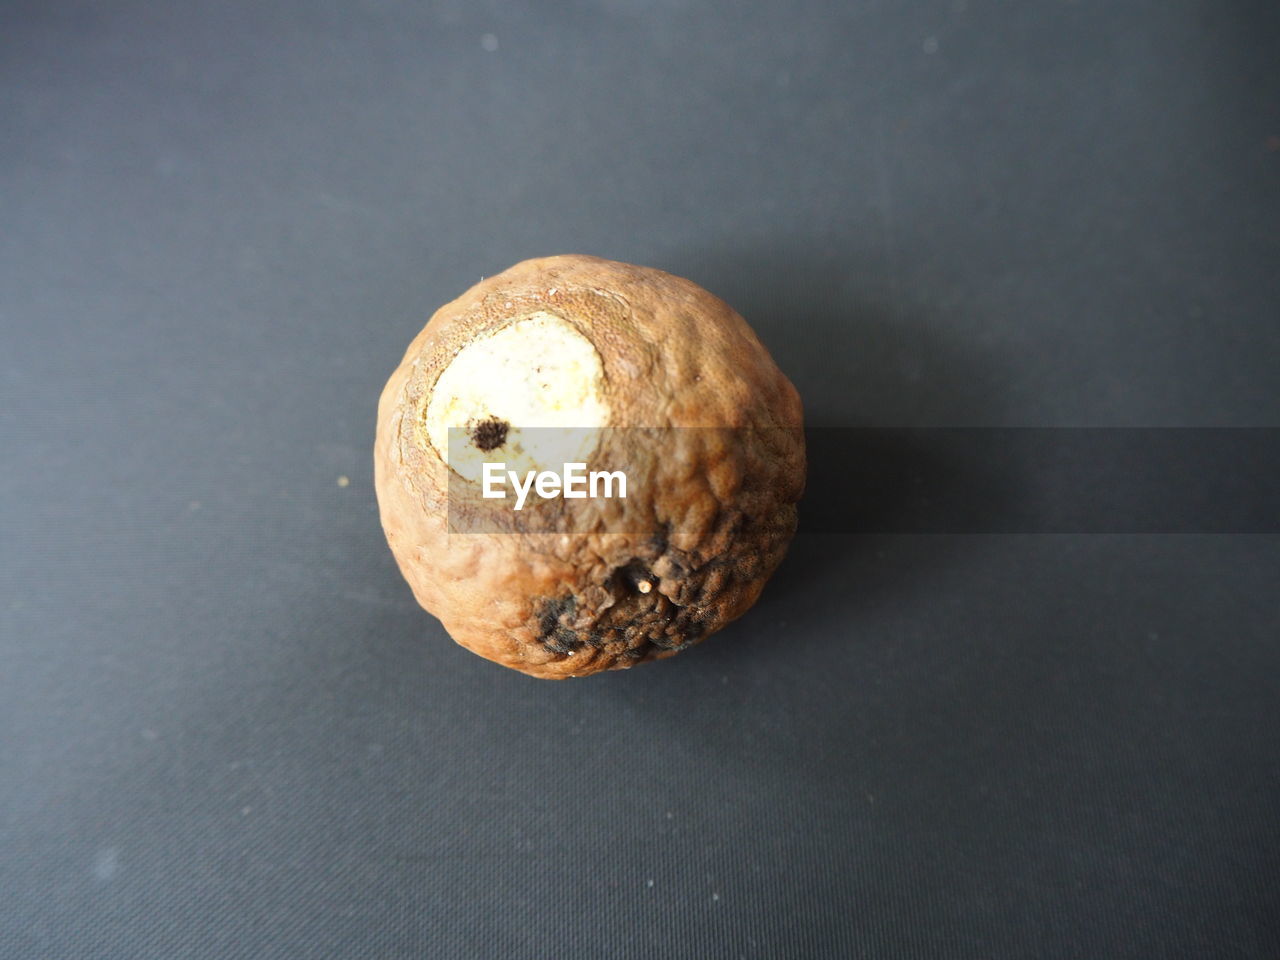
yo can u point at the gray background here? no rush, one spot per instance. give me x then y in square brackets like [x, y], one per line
[226, 731]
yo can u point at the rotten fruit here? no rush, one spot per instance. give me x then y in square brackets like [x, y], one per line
[551, 375]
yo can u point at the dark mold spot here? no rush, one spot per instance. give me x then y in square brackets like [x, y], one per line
[688, 632]
[490, 434]
[552, 632]
[563, 640]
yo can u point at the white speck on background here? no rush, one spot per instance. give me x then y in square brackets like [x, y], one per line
[344, 481]
[106, 862]
[930, 44]
[648, 883]
[488, 43]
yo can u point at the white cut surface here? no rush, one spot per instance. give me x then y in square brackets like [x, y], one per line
[540, 377]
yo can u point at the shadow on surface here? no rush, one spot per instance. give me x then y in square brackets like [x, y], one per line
[860, 358]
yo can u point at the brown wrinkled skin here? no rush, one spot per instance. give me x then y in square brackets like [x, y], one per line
[719, 505]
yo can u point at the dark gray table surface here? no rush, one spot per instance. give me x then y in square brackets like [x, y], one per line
[226, 730]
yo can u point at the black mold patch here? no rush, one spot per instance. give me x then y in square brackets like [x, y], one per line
[490, 434]
[689, 634]
[552, 633]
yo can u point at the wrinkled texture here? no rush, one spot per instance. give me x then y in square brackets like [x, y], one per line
[720, 508]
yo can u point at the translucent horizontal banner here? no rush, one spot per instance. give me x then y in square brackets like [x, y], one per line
[672, 481]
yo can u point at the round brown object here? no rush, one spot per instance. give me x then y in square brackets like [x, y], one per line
[661, 377]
